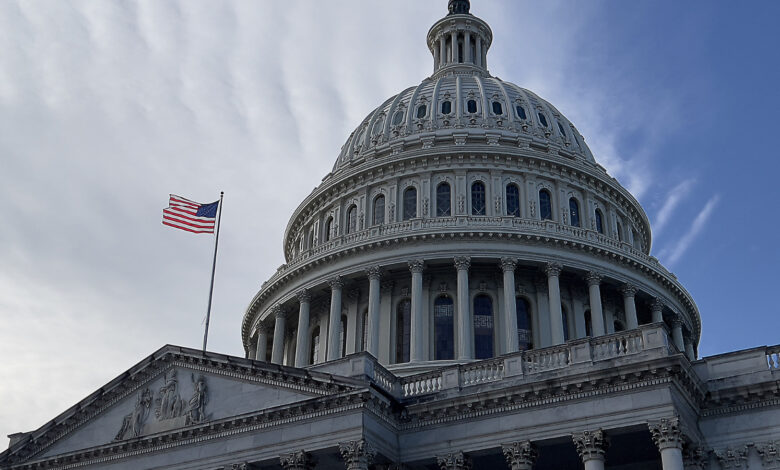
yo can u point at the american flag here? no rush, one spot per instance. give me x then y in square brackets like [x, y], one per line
[189, 215]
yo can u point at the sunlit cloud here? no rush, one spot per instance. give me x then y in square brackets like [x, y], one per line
[675, 196]
[672, 254]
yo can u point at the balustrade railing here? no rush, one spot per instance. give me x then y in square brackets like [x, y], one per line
[540, 360]
[421, 384]
[773, 357]
[481, 372]
[608, 347]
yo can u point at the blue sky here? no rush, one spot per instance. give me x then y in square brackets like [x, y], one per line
[106, 107]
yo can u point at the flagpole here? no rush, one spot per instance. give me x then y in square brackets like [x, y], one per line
[213, 269]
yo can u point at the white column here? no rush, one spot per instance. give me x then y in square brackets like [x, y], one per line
[416, 345]
[689, 349]
[302, 341]
[454, 48]
[591, 447]
[553, 271]
[334, 320]
[323, 348]
[657, 308]
[374, 275]
[629, 306]
[436, 56]
[262, 343]
[677, 335]
[508, 265]
[668, 437]
[467, 48]
[478, 52]
[596, 312]
[465, 331]
[277, 349]
[442, 52]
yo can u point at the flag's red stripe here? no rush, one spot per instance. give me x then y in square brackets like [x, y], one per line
[186, 213]
[165, 222]
[187, 222]
[194, 220]
[176, 200]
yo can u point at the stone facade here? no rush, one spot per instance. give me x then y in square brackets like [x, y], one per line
[467, 288]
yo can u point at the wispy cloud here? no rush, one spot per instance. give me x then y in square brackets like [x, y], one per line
[673, 254]
[677, 194]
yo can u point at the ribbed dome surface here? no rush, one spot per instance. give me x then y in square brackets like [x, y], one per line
[457, 104]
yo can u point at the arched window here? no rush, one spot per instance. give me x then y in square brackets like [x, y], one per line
[599, 222]
[398, 117]
[403, 329]
[315, 347]
[588, 324]
[512, 200]
[471, 106]
[328, 229]
[525, 336]
[560, 128]
[574, 212]
[545, 205]
[620, 231]
[565, 319]
[343, 336]
[478, 198]
[364, 345]
[352, 219]
[521, 112]
[483, 327]
[443, 328]
[497, 108]
[421, 111]
[410, 203]
[542, 119]
[379, 210]
[310, 239]
[443, 201]
[446, 107]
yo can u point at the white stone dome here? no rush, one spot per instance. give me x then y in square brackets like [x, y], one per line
[439, 108]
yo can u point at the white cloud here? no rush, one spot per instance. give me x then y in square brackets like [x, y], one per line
[676, 195]
[671, 255]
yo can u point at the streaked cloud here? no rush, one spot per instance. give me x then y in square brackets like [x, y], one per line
[675, 196]
[672, 254]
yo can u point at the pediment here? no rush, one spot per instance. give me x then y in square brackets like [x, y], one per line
[173, 389]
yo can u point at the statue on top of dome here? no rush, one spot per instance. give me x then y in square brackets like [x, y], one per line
[458, 7]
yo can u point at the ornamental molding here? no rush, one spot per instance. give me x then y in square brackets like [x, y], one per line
[591, 445]
[508, 263]
[454, 461]
[593, 278]
[304, 296]
[695, 457]
[416, 266]
[769, 452]
[298, 460]
[553, 269]
[462, 263]
[732, 457]
[628, 290]
[667, 433]
[357, 455]
[336, 283]
[374, 273]
[520, 455]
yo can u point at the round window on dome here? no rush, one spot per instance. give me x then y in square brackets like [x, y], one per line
[497, 108]
[471, 106]
[398, 117]
[446, 107]
[421, 111]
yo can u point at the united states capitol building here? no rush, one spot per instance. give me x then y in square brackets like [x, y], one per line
[466, 289]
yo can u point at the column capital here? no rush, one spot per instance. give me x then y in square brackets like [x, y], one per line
[553, 269]
[591, 445]
[667, 433]
[769, 452]
[520, 455]
[676, 320]
[299, 460]
[278, 311]
[593, 278]
[416, 266]
[336, 282]
[462, 263]
[508, 263]
[239, 466]
[374, 273]
[388, 284]
[303, 295]
[657, 305]
[261, 328]
[694, 457]
[454, 461]
[732, 457]
[628, 290]
[358, 455]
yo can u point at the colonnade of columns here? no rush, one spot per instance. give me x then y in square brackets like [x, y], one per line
[465, 349]
[444, 55]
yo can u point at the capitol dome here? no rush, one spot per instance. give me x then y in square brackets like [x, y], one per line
[465, 218]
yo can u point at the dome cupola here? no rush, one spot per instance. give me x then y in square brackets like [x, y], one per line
[459, 42]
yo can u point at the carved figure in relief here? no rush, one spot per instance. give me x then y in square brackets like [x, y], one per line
[170, 404]
[196, 412]
[133, 423]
